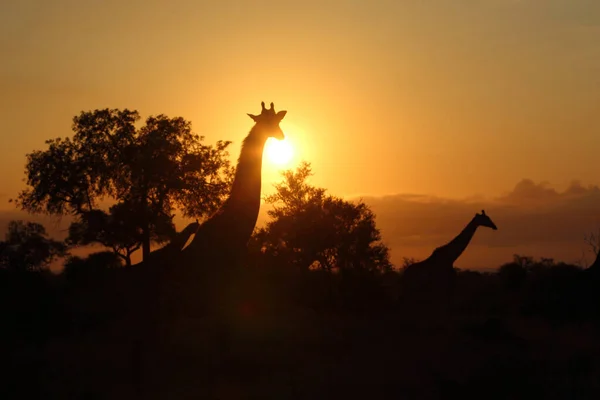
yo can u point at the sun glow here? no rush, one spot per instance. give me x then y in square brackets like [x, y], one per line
[279, 152]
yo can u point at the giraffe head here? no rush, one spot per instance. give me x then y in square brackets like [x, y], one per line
[193, 227]
[483, 220]
[267, 122]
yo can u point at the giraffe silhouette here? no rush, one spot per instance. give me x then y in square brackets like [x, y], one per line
[199, 279]
[220, 242]
[232, 225]
[437, 271]
[175, 245]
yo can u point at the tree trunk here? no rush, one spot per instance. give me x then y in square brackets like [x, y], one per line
[146, 214]
[125, 257]
[145, 241]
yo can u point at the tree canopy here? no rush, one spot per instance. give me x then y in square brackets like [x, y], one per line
[146, 173]
[27, 248]
[309, 228]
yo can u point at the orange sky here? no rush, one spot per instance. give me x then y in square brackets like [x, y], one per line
[450, 98]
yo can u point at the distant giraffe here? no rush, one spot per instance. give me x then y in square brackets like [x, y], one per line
[199, 279]
[437, 271]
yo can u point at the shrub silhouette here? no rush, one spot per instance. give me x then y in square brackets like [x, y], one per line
[90, 268]
[28, 248]
[310, 230]
[512, 276]
[556, 291]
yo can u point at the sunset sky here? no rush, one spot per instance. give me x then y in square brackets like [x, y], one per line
[430, 110]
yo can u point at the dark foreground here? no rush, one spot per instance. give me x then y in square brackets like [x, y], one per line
[491, 340]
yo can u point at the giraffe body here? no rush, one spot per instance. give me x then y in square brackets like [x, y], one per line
[435, 275]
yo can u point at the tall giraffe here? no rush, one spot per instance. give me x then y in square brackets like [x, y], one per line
[232, 225]
[201, 275]
[221, 241]
[438, 268]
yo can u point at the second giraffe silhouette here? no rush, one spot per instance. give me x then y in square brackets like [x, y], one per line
[172, 249]
[437, 271]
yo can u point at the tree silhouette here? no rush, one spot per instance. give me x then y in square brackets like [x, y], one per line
[593, 242]
[118, 229]
[312, 229]
[148, 171]
[94, 264]
[27, 248]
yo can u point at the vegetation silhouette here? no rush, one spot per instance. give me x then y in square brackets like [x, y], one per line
[26, 247]
[310, 230]
[308, 306]
[147, 172]
[593, 241]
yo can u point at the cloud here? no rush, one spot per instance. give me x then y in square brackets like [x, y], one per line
[527, 190]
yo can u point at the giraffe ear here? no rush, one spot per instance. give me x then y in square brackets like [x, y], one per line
[281, 114]
[254, 117]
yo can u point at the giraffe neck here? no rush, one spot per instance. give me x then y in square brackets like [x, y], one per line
[245, 190]
[182, 237]
[450, 252]
[234, 222]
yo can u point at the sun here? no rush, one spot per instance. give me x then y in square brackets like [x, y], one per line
[279, 152]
